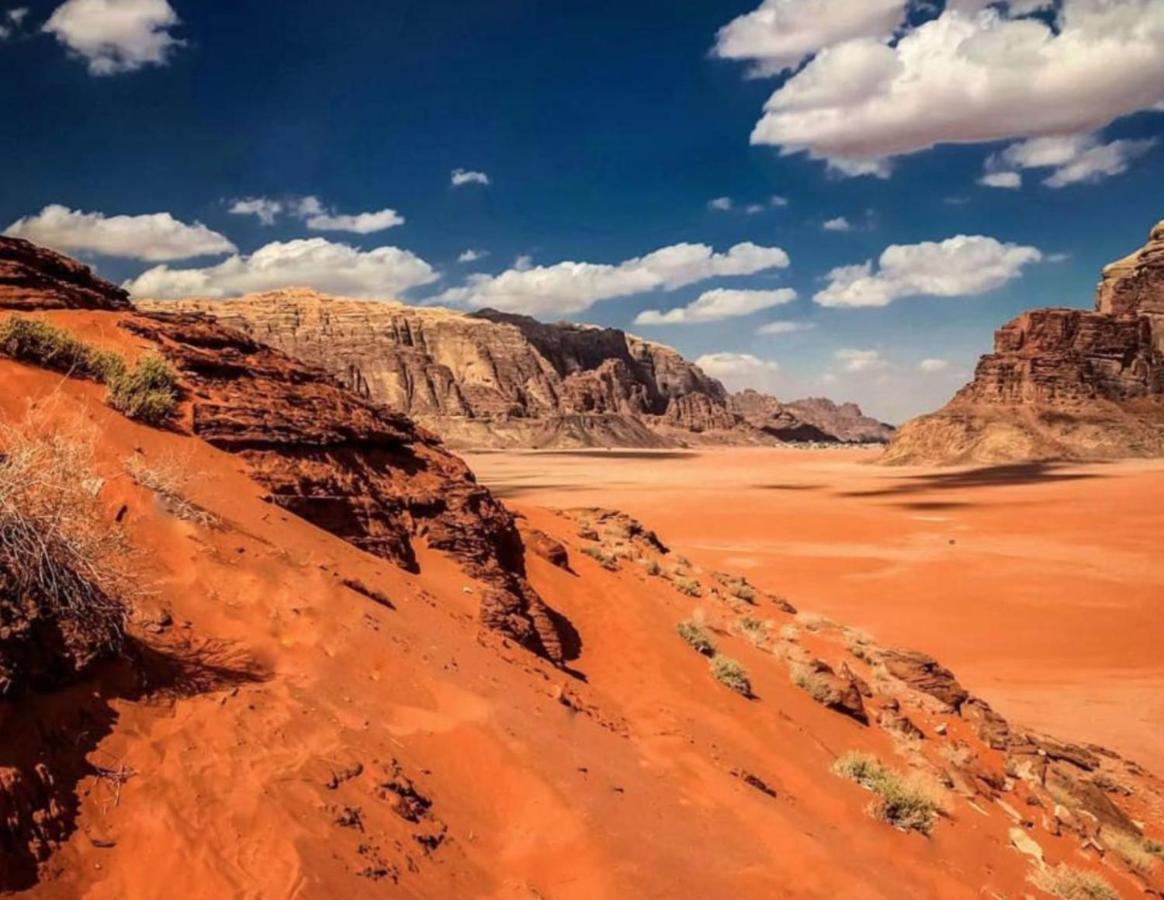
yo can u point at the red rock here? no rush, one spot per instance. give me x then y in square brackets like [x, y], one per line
[924, 674]
[33, 277]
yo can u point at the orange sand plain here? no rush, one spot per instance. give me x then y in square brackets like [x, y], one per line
[1041, 586]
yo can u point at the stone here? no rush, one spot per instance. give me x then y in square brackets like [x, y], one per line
[33, 277]
[924, 674]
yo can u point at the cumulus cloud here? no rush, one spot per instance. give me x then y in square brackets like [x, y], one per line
[855, 361]
[720, 204]
[572, 287]
[154, 238]
[970, 75]
[717, 305]
[1075, 159]
[934, 365]
[471, 255]
[461, 177]
[1008, 180]
[360, 223]
[738, 370]
[840, 223]
[114, 36]
[314, 262]
[957, 267]
[316, 216]
[262, 208]
[780, 33]
[785, 327]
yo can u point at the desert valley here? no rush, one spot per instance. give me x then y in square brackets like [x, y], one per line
[589, 544]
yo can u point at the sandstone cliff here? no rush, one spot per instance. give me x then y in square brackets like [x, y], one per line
[491, 379]
[1062, 383]
[33, 277]
[815, 419]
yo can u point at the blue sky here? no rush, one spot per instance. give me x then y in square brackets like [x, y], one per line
[605, 131]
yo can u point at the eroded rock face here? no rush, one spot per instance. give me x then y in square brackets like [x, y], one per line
[363, 473]
[492, 379]
[33, 277]
[1062, 383]
[815, 419]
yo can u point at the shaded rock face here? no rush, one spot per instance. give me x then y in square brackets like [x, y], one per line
[814, 419]
[367, 475]
[33, 277]
[492, 379]
[1062, 383]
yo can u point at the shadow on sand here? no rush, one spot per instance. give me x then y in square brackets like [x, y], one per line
[988, 476]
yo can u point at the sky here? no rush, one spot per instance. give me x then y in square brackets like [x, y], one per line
[809, 197]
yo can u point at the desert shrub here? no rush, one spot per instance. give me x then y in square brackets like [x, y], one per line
[148, 392]
[743, 591]
[688, 586]
[168, 479]
[902, 801]
[1138, 853]
[61, 557]
[813, 621]
[32, 341]
[755, 630]
[696, 635]
[813, 683]
[603, 558]
[1073, 884]
[683, 561]
[730, 673]
[789, 632]
[653, 568]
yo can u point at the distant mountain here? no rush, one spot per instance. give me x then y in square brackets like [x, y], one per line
[1062, 383]
[492, 379]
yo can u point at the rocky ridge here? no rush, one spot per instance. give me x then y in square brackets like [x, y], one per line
[33, 277]
[491, 379]
[1062, 383]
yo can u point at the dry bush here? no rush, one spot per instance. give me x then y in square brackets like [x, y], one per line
[61, 556]
[604, 559]
[1073, 884]
[754, 630]
[697, 636]
[688, 586]
[730, 673]
[903, 801]
[812, 682]
[148, 392]
[168, 479]
[1139, 854]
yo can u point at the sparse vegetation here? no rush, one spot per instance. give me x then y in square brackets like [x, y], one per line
[688, 586]
[148, 392]
[1073, 884]
[1139, 854]
[697, 636]
[902, 801]
[730, 673]
[653, 568]
[755, 630]
[813, 621]
[604, 559]
[811, 682]
[168, 480]
[789, 632]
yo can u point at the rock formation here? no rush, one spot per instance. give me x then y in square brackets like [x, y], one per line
[33, 277]
[815, 419]
[1062, 383]
[491, 379]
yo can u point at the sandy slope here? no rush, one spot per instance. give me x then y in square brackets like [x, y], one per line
[1041, 585]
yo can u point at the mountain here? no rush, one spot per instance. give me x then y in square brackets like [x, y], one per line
[491, 379]
[280, 643]
[1062, 383]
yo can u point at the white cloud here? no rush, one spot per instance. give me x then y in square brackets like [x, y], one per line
[154, 238]
[1008, 180]
[717, 305]
[316, 216]
[523, 262]
[738, 370]
[572, 287]
[855, 361]
[720, 204]
[934, 365]
[263, 209]
[461, 177]
[115, 36]
[780, 33]
[840, 223]
[314, 262]
[777, 200]
[1075, 159]
[471, 255]
[11, 20]
[754, 209]
[785, 327]
[970, 77]
[957, 267]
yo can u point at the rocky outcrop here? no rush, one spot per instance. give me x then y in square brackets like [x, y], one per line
[1062, 383]
[492, 379]
[815, 419]
[349, 466]
[33, 277]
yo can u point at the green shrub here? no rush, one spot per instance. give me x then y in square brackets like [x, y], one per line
[148, 392]
[901, 801]
[29, 340]
[696, 635]
[1073, 884]
[730, 673]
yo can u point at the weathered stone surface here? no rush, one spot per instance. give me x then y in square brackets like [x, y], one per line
[365, 474]
[491, 379]
[1062, 383]
[814, 419]
[926, 675]
[33, 277]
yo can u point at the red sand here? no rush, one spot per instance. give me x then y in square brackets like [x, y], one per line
[1042, 586]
